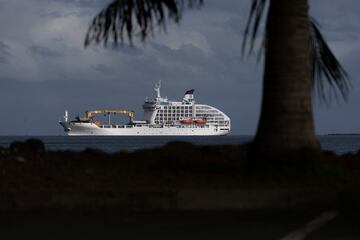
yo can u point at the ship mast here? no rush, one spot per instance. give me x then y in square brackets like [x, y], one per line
[157, 89]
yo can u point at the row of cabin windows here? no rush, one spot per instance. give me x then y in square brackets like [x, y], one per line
[202, 107]
[225, 123]
[222, 123]
[173, 114]
[177, 117]
[208, 111]
[173, 110]
[209, 115]
[169, 118]
[177, 107]
[172, 117]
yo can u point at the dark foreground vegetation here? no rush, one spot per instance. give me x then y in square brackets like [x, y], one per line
[31, 176]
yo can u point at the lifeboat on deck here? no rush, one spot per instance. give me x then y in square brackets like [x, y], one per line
[186, 121]
[200, 121]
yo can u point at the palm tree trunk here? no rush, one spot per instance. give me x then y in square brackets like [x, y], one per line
[286, 120]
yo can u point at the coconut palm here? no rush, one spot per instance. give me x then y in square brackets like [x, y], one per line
[297, 59]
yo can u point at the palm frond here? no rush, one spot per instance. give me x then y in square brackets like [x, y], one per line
[252, 26]
[122, 19]
[329, 77]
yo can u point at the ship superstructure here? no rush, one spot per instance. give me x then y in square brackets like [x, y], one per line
[161, 118]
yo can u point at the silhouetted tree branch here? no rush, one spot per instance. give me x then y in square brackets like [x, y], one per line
[124, 18]
[325, 64]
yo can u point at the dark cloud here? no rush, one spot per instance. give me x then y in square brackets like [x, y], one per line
[44, 52]
[338, 19]
[52, 14]
[128, 50]
[4, 52]
[104, 69]
[240, 8]
[187, 54]
[85, 3]
[235, 24]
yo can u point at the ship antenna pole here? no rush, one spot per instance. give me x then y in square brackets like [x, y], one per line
[157, 89]
[66, 116]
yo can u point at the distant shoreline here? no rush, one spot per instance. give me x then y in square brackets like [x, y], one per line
[330, 134]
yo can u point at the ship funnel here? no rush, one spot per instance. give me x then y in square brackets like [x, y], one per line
[189, 96]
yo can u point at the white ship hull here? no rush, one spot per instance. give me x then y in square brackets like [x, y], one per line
[91, 129]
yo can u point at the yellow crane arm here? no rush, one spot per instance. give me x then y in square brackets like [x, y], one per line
[92, 113]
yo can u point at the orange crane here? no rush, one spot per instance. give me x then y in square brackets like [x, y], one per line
[91, 113]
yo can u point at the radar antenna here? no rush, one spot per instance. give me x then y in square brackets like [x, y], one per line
[157, 89]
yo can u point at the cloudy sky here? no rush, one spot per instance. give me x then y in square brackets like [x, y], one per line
[45, 69]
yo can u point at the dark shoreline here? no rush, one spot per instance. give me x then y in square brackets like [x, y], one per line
[177, 177]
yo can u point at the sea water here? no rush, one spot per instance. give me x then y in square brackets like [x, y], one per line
[337, 143]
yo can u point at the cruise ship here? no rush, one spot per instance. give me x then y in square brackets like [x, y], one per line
[161, 117]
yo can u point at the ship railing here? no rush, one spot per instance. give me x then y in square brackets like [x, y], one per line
[116, 126]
